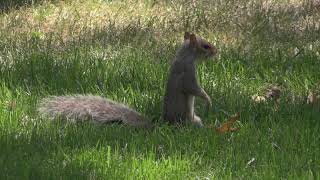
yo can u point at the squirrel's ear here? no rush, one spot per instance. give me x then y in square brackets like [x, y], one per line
[193, 39]
[186, 35]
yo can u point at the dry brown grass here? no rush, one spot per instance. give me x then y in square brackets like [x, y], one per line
[239, 25]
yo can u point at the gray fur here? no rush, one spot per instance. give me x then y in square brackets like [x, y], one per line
[182, 85]
[181, 88]
[89, 107]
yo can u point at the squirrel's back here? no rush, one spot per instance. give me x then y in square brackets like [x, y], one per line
[89, 107]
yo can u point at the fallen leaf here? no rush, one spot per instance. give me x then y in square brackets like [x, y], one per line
[274, 93]
[226, 127]
[258, 99]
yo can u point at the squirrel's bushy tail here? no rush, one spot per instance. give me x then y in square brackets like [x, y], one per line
[89, 107]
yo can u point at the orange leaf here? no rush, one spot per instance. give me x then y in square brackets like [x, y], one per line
[226, 127]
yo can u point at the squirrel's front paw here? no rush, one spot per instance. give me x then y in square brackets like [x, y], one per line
[198, 124]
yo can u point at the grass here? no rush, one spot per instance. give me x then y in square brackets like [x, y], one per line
[122, 50]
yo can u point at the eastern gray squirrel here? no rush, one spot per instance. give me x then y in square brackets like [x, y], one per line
[182, 85]
[181, 89]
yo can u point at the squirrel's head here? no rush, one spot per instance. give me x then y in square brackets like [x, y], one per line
[201, 47]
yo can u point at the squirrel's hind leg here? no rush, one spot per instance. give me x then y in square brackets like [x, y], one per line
[196, 120]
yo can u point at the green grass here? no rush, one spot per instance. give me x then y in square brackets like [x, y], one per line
[122, 50]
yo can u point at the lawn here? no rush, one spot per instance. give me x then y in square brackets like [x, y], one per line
[122, 50]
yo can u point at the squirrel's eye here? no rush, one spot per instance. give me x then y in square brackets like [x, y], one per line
[206, 46]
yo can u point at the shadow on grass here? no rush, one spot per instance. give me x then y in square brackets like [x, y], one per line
[85, 150]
